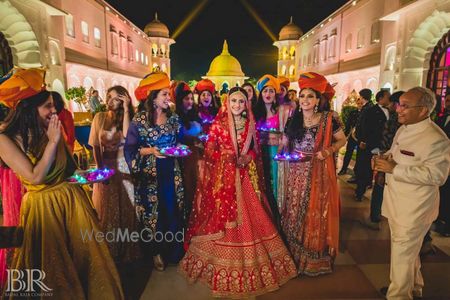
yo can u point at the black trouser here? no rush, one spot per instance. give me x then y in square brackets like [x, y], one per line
[351, 145]
[363, 171]
[376, 201]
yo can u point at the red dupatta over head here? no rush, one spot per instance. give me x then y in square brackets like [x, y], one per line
[218, 198]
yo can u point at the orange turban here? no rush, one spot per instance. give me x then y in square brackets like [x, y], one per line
[284, 81]
[316, 82]
[205, 85]
[268, 80]
[20, 84]
[151, 82]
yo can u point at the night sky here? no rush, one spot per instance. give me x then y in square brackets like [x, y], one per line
[202, 39]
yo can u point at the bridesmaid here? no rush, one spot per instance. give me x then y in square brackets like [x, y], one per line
[310, 214]
[252, 97]
[157, 179]
[190, 130]
[59, 223]
[267, 116]
[207, 103]
[113, 201]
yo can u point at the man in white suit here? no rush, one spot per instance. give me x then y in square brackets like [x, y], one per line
[415, 166]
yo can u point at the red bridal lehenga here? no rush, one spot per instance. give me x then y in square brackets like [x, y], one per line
[232, 243]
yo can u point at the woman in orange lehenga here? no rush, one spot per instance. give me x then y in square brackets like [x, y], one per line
[234, 246]
[310, 214]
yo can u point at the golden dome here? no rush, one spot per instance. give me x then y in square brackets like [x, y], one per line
[290, 32]
[225, 64]
[156, 29]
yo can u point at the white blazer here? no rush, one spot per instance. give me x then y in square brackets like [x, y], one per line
[411, 193]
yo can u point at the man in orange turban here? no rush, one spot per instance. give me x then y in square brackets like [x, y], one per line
[20, 84]
[151, 82]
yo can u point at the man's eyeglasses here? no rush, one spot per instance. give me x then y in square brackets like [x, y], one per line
[406, 106]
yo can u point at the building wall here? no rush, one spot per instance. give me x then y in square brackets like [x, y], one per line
[85, 36]
[374, 44]
[118, 43]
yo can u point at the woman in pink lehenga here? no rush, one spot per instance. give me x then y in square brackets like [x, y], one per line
[12, 192]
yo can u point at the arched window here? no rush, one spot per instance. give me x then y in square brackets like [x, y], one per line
[85, 31]
[154, 49]
[97, 37]
[292, 52]
[283, 70]
[285, 52]
[375, 33]
[291, 70]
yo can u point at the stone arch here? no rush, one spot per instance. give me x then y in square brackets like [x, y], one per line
[20, 35]
[372, 84]
[100, 87]
[421, 45]
[357, 85]
[388, 86]
[58, 86]
[88, 83]
[74, 81]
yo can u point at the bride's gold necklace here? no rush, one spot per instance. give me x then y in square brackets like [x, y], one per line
[239, 124]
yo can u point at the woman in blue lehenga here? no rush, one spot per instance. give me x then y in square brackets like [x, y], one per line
[157, 179]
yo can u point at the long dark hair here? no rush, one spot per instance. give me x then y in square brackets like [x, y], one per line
[213, 108]
[294, 128]
[260, 111]
[119, 113]
[149, 108]
[253, 100]
[58, 101]
[24, 123]
[189, 116]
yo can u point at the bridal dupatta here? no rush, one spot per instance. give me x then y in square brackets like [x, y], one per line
[218, 200]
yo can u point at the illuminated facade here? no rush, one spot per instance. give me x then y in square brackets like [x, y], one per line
[393, 44]
[81, 43]
[225, 70]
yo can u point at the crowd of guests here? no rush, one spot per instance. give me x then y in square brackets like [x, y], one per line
[250, 223]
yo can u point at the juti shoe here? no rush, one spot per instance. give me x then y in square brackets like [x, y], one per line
[158, 263]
